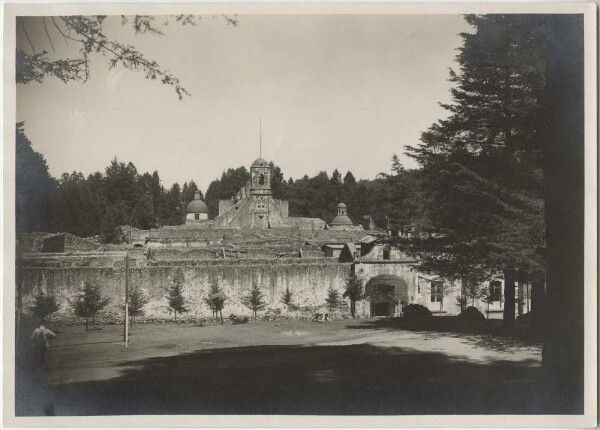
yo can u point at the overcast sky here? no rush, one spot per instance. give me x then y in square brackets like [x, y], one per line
[340, 92]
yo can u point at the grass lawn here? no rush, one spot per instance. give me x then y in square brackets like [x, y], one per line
[373, 366]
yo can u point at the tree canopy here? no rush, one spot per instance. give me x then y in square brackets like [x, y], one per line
[91, 38]
[481, 167]
[35, 188]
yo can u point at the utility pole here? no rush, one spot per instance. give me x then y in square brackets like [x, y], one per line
[126, 327]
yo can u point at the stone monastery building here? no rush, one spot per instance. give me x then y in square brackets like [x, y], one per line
[252, 241]
[252, 207]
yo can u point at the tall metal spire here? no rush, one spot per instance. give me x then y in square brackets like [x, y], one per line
[260, 141]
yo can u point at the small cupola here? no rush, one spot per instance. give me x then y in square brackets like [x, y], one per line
[196, 210]
[342, 217]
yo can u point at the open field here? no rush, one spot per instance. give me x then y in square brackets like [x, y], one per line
[373, 366]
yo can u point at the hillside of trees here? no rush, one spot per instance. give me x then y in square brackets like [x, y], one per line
[97, 204]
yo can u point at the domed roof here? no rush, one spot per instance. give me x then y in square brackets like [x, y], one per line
[196, 206]
[341, 205]
[260, 162]
[341, 220]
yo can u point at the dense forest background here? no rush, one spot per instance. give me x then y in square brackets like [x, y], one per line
[96, 204]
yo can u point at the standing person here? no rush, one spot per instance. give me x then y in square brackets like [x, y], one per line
[41, 337]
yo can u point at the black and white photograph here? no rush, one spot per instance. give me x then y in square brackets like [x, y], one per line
[275, 210]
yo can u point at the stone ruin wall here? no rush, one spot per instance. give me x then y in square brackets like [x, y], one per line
[307, 278]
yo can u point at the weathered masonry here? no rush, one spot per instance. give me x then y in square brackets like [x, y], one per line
[308, 263]
[253, 241]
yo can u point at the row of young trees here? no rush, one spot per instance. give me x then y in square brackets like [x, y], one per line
[88, 301]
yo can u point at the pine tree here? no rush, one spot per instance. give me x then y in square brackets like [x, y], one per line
[143, 212]
[175, 297]
[482, 166]
[173, 207]
[333, 299]
[396, 165]
[35, 187]
[44, 306]
[254, 300]
[137, 300]
[116, 216]
[216, 300]
[287, 298]
[88, 302]
[228, 185]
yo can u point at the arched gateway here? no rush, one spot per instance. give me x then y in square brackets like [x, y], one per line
[386, 293]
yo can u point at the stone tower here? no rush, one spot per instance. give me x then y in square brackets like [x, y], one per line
[260, 178]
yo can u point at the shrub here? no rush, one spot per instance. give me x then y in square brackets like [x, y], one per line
[235, 319]
[44, 306]
[472, 314]
[415, 311]
[524, 317]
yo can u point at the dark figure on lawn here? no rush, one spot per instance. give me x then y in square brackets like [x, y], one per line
[41, 337]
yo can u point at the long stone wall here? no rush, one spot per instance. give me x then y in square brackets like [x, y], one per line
[308, 279]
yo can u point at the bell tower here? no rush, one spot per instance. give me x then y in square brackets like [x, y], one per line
[260, 178]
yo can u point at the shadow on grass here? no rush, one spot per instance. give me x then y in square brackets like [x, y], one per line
[488, 334]
[328, 380]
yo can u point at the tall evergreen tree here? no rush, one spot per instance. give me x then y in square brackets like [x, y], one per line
[231, 181]
[173, 206]
[481, 166]
[143, 212]
[35, 187]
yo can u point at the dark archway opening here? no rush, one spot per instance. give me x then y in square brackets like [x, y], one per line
[386, 292]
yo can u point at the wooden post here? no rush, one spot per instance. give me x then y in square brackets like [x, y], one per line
[126, 328]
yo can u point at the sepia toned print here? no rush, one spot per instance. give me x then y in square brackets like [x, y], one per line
[300, 214]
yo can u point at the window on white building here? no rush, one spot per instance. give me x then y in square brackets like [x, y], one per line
[437, 291]
[495, 291]
[386, 252]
